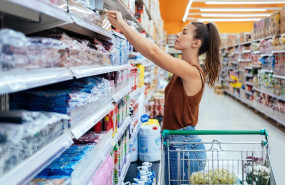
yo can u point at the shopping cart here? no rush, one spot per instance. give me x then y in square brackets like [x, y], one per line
[226, 162]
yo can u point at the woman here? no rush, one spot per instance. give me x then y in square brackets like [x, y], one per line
[184, 91]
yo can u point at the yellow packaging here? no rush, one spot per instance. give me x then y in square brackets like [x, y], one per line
[275, 23]
[140, 75]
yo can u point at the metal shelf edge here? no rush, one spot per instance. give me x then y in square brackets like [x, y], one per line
[85, 125]
[15, 81]
[122, 93]
[25, 171]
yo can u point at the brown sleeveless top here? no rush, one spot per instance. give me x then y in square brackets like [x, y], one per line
[180, 109]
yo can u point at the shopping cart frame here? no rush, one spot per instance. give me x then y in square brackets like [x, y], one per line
[264, 144]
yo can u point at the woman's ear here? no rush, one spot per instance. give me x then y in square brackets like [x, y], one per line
[196, 44]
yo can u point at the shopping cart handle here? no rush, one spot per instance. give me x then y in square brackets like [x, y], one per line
[214, 132]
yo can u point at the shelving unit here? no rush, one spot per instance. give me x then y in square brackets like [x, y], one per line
[15, 81]
[29, 168]
[125, 170]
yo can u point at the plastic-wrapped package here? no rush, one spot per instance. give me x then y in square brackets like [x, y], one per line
[21, 140]
[52, 180]
[82, 8]
[62, 4]
[46, 52]
[13, 52]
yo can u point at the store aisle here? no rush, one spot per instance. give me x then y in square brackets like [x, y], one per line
[219, 112]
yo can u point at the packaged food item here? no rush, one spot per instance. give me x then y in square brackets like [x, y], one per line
[26, 134]
[53, 180]
[217, 176]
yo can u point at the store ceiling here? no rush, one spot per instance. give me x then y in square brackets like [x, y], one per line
[172, 13]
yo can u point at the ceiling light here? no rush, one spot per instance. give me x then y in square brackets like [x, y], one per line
[187, 10]
[233, 9]
[233, 15]
[244, 2]
[228, 20]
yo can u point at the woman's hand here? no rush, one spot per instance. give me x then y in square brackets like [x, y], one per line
[115, 18]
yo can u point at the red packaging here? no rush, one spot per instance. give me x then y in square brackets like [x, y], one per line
[98, 127]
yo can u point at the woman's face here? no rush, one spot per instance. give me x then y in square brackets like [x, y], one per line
[184, 39]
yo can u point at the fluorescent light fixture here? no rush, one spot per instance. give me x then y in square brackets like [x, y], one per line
[187, 10]
[233, 9]
[228, 20]
[234, 15]
[245, 2]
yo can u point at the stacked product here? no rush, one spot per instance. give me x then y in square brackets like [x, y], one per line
[21, 52]
[155, 107]
[23, 133]
[62, 98]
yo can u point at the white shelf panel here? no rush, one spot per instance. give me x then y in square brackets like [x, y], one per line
[85, 71]
[256, 52]
[82, 26]
[37, 6]
[137, 92]
[248, 83]
[270, 94]
[125, 170]
[266, 71]
[248, 75]
[28, 169]
[21, 80]
[122, 93]
[118, 34]
[102, 153]
[244, 60]
[86, 124]
[275, 52]
[277, 76]
[246, 51]
[122, 129]
[119, 6]
[98, 159]
[135, 133]
[266, 55]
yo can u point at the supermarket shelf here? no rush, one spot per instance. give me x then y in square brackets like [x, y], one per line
[244, 60]
[270, 94]
[14, 81]
[102, 152]
[234, 63]
[135, 133]
[248, 93]
[275, 52]
[122, 129]
[119, 6]
[118, 34]
[246, 51]
[137, 92]
[27, 170]
[134, 54]
[148, 97]
[248, 75]
[125, 170]
[266, 55]
[97, 161]
[277, 76]
[85, 71]
[40, 16]
[266, 71]
[84, 27]
[86, 124]
[248, 83]
[256, 52]
[250, 104]
[122, 93]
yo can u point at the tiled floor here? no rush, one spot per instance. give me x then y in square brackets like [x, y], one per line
[221, 112]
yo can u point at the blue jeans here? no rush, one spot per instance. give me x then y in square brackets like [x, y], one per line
[180, 172]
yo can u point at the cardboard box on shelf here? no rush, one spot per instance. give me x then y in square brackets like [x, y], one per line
[245, 37]
[232, 39]
[267, 24]
[282, 20]
[275, 23]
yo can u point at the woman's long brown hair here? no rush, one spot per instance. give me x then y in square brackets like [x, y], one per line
[209, 35]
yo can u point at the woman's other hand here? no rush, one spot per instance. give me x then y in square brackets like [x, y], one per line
[115, 18]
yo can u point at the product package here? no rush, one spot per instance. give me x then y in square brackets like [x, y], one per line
[22, 133]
